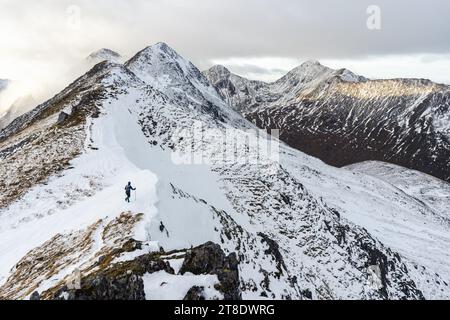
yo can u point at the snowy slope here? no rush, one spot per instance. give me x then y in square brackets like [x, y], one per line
[299, 228]
[433, 192]
[343, 118]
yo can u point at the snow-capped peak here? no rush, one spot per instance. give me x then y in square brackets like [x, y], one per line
[158, 61]
[312, 63]
[312, 71]
[309, 68]
[104, 54]
[219, 69]
[163, 68]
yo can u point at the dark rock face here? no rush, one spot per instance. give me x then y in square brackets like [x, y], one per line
[62, 117]
[273, 250]
[123, 281]
[102, 287]
[195, 293]
[35, 296]
[209, 258]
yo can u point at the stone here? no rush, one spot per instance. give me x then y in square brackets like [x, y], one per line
[35, 296]
[195, 293]
[62, 117]
[209, 258]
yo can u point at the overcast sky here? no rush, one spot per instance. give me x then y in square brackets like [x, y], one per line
[42, 41]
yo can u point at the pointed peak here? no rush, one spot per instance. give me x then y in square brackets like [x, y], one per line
[160, 47]
[219, 69]
[313, 70]
[306, 72]
[310, 63]
[159, 65]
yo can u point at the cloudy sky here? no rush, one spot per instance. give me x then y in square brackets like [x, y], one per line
[43, 41]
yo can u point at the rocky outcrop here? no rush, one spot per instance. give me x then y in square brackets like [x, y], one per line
[124, 280]
[209, 258]
[62, 117]
[120, 281]
[195, 293]
[102, 287]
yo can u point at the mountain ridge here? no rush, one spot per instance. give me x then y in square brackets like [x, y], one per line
[402, 121]
[298, 228]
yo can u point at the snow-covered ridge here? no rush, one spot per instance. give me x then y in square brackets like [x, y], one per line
[247, 95]
[298, 228]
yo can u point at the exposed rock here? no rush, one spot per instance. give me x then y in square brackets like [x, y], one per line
[273, 250]
[307, 294]
[35, 296]
[102, 287]
[62, 117]
[121, 281]
[209, 258]
[195, 293]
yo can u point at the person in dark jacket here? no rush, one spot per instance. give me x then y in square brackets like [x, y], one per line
[128, 189]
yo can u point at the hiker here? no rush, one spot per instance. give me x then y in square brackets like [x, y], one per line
[128, 189]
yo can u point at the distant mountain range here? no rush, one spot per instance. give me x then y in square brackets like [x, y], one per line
[343, 118]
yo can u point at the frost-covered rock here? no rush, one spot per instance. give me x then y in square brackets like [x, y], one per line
[210, 259]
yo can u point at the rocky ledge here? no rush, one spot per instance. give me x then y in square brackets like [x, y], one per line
[124, 280]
